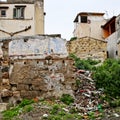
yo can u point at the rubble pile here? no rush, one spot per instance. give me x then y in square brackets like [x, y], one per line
[87, 97]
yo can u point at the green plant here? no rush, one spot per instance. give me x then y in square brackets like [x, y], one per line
[54, 117]
[73, 110]
[91, 115]
[26, 102]
[67, 99]
[73, 38]
[78, 83]
[54, 109]
[87, 64]
[23, 106]
[62, 112]
[28, 108]
[107, 77]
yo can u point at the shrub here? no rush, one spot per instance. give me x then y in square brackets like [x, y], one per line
[87, 64]
[73, 38]
[107, 76]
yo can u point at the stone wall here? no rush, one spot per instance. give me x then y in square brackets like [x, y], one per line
[88, 48]
[46, 76]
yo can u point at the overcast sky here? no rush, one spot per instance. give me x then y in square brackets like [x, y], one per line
[61, 13]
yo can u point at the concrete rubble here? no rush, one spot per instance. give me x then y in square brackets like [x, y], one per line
[87, 97]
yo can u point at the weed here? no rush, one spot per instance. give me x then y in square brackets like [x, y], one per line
[9, 114]
[54, 109]
[67, 99]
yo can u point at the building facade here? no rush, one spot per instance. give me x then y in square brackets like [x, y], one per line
[21, 17]
[111, 33]
[89, 24]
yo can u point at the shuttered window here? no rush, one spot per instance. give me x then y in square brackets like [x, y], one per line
[18, 12]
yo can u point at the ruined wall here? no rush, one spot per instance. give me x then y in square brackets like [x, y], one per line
[45, 78]
[37, 47]
[88, 48]
[46, 75]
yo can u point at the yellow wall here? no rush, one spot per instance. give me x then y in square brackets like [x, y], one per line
[39, 18]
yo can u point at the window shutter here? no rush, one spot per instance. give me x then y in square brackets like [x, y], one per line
[14, 13]
[22, 12]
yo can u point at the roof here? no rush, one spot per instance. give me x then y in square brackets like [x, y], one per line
[91, 38]
[109, 22]
[19, 1]
[88, 14]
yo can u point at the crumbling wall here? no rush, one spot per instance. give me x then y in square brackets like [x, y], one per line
[46, 78]
[87, 47]
[23, 75]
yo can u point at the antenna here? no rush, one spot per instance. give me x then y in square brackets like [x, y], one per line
[106, 13]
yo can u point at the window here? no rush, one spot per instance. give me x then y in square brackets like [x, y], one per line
[83, 19]
[2, 13]
[116, 52]
[18, 12]
[3, 10]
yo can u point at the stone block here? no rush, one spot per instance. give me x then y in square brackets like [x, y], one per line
[16, 93]
[22, 87]
[39, 87]
[5, 81]
[29, 94]
[6, 93]
[3, 106]
[5, 75]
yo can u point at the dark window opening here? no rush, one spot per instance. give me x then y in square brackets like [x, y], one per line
[116, 52]
[107, 54]
[83, 19]
[3, 13]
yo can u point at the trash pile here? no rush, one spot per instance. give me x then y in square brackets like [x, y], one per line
[87, 97]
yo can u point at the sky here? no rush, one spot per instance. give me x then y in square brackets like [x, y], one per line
[60, 14]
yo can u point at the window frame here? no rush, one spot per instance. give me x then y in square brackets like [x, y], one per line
[19, 12]
[3, 8]
[1, 14]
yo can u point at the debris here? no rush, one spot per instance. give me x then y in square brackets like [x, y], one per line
[116, 115]
[45, 115]
[66, 110]
[87, 97]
